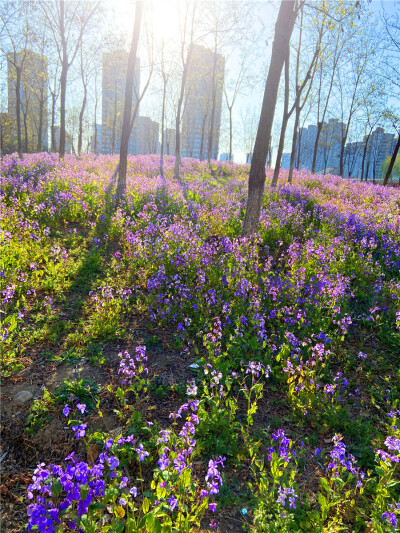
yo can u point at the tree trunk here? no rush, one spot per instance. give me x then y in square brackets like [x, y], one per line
[25, 114]
[18, 110]
[40, 129]
[293, 154]
[364, 156]
[392, 161]
[162, 127]
[230, 133]
[213, 105]
[126, 124]
[203, 129]
[283, 31]
[178, 113]
[284, 125]
[177, 140]
[314, 161]
[63, 83]
[114, 123]
[343, 144]
[298, 150]
[80, 134]
[53, 120]
[95, 125]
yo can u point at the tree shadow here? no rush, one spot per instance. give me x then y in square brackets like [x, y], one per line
[91, 267]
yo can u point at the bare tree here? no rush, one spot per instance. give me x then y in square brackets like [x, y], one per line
[354, 86]
[373, 114]
[392, 74]
[224, 24]
[298, 104]
[396, 125]
[165, 74]
[67, 23]
[283, 30]
[89, 51]
[243, 79]
[298, 93]
[126, 125]
[330, 65]
[15, 21]
[186, 49]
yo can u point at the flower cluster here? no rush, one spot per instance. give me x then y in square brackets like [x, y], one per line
[289, 493]
[133, 366]
[392, 516]
[340, 460]
[284, 447]
[393, 445]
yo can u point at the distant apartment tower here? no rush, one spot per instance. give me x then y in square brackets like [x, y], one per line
[69, 148]
[114, 66]
[169, 141]
[95, 139]
[328, 150]
[352, 159]
[205, 78]
[148, 138]
[33, 98]
[380, 146]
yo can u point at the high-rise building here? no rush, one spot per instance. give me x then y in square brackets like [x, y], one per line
[169, 141]
[225, 157]
[380, 146]
[328, 150]
[352, 159]
[33, 98]
[113, 99]
[68, 140]
[148, 139]
[205, 79]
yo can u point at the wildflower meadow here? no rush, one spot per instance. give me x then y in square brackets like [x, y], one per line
[162, 373]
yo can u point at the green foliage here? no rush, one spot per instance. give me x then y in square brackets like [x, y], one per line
[39, 412]
[86, 391]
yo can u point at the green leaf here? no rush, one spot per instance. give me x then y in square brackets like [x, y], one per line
[146, 505]
[56, 488]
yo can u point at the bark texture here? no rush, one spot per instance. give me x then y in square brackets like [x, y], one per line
[126, 124]
[391, 164]
[283, 31]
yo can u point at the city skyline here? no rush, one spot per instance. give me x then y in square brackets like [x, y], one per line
[380, 145]
[206, 75]
[33, 99]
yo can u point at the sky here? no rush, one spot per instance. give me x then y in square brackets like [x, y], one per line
[163, 17]
[248, 105]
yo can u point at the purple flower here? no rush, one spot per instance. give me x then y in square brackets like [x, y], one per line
[173, 502]
[141, 452]
[133, 492]
[124, 482]
[113, 462]
[66, 410]
[212, 507]
[284, 493]
[163, 462]
[390, 517]
[80, 430]
[81, 407]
